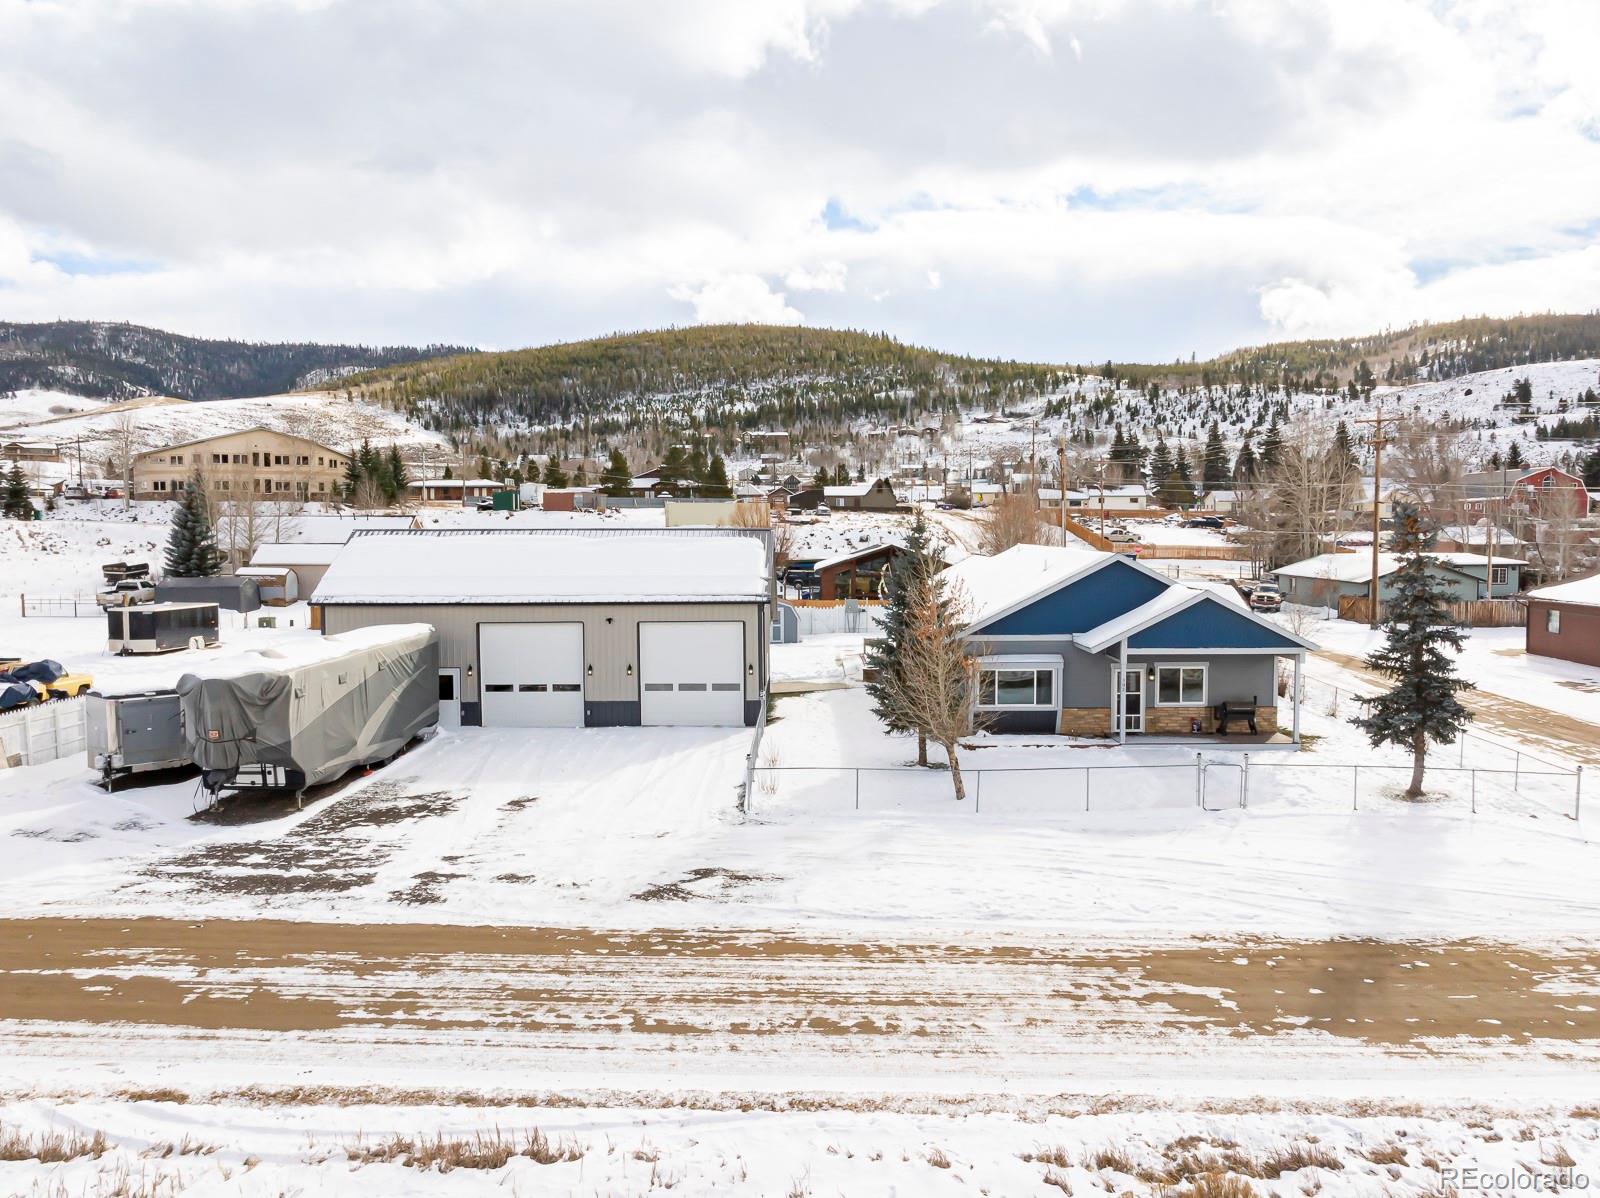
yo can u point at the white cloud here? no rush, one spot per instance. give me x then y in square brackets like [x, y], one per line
[1048, 178]
[733, 299]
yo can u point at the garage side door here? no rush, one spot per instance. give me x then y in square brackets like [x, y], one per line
[532, 675]
[691, 673]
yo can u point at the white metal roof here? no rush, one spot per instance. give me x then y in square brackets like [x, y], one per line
[852, 489]
[1357, 567]
[1581, 591]
[989, 585]
[312, 554]
[548, 566]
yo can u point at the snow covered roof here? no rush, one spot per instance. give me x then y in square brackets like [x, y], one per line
[853, 555]
[989, 585]
[1584, 592]
[428, 483]
[1172, 599]
[1357, 567]
[549, 566]
[296, 555]
[852, 489]
[311, 529]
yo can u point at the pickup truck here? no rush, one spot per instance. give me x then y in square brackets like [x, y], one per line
[1121, 536]
[126, 592]
[1266, 597]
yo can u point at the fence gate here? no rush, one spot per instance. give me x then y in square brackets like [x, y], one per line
[1220, 783]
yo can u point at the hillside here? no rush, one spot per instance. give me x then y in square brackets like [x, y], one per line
[122, 361]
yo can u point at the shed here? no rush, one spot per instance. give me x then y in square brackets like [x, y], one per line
[308, 561]
[1564, 621]
[573, 627]
[279, 585]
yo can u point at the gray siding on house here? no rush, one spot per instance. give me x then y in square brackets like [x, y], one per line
[1239, 677]
[610, 648]
[1086, 677]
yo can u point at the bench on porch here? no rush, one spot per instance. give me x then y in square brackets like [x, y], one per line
[1235, 709]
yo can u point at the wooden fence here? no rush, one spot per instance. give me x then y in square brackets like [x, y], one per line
[1469, 613]
[1210, 553]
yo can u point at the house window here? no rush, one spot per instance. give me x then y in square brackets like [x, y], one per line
[1180, 686]
[1499, 576]
[1552, 620]
[1016, 688]
[160, 484]
[177, 459]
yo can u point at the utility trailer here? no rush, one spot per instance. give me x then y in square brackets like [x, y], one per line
[134, 734]
[290, 718]
[159, 627]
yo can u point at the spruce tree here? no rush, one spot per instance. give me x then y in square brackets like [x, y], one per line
[352, 478]
[1214, 469]
[717, 479]
[17, 505]
[1422, 705]
[1271, 445]
[399, 477]
[192, 545]
[1591, 470]
[1344, 456]
[1160, 462]
[1245, 467]
[554, 475]
[906, 582]
[1514, 458]
[616, 477]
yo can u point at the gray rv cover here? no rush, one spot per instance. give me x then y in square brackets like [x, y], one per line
[319, 707]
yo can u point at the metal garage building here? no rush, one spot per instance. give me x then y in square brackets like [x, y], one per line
[572, 627]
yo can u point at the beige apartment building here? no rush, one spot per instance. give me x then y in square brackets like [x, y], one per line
[255, 463]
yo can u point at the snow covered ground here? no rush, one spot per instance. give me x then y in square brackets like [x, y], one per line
[805, 1148]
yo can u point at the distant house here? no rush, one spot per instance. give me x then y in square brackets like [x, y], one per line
[1087, 643]
[30, 451]
[1564, 621]
[874, 496]
[1323, 580]
[255, 463]
[1474, 538]
[454, 492]
[1527, 492]
[858, 574]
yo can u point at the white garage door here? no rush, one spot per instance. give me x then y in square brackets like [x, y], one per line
[691, 673]
[532, 675]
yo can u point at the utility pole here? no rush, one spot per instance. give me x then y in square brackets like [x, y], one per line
[1378, 442]
[1061, 484]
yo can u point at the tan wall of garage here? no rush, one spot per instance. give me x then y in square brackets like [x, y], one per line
[609, 647]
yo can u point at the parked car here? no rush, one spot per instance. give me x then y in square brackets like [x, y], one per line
[127, 592]
[485, 504]
[823, 509]
[1266, 596]
[1121, 536]
[947, 507]
[1203, 522]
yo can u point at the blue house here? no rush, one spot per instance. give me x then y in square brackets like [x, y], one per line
[1086, 643]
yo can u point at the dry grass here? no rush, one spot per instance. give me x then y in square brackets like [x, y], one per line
[1057, 1156]
[1584, 1112]
[482, 1150]
[1113, 1159]
[1296, 1157]
[184, 1147]
[938, 1159]
[1059, 1180]
[1557, 1156]
[157, 1094]
[1386, 1154]
[1217, 1185]
[51, 1147]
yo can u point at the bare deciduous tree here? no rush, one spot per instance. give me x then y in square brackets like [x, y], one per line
[935, 680]
[1012, 519]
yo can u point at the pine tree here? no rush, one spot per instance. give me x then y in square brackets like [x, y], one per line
[1271, 445]
[353, 476]
[841, 475]
[191, 545]
[1180, 467]
[533, 475]
[399, 477]
[674, 469]
[1591, 470]
[717, 479]
[1422, 704]
[1514, 458]
[1160, 462]
[1244, 469]
[1344, 455]
[616, 477]
[580, 474]
[907, 580]
[1214, 467]
[554, 475]
[17, 505]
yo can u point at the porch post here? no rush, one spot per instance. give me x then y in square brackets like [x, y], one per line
[1299, 660]
[1119, 697]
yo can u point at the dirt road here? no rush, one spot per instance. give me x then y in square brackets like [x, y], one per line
[1497, 715]
[281, 976]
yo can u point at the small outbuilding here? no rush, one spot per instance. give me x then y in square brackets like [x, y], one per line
[1564, 621]
[230, 593]
[874, 496]
[572, 627]
[308, 560]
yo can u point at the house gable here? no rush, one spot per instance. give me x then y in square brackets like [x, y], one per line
[1211, 624]
[1085, 603]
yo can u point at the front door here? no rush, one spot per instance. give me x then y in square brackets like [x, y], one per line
[1129, 688]
[450, 697]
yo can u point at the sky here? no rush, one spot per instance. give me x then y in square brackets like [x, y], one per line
[1049, 180]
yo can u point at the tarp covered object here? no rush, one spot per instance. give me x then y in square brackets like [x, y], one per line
[35, 671]
[16, 694]
[316, 710]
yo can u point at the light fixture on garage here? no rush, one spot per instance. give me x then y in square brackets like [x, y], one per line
[591, 670]
[750, 669]
[630, 669]
[469, 669]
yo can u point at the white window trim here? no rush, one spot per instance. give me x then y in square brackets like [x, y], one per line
[1055, 666]
[1205, 683]
[1552, 621]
